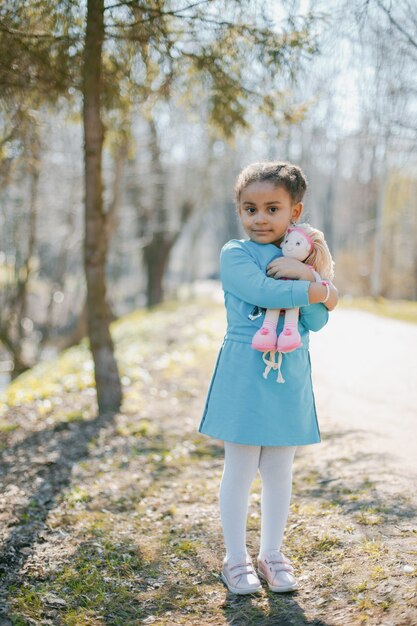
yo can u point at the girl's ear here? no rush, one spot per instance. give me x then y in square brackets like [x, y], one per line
[297, 209]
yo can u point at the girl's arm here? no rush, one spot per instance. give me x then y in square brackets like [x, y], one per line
[242, 277]
[286, 267]
[314, 316]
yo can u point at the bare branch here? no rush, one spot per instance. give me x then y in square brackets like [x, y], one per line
[394, 22]
[14, 32]
[134, 2]
[406, 126]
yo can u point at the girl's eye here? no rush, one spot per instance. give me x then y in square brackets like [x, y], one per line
[251, 209]
[298, 243]
[273, 209]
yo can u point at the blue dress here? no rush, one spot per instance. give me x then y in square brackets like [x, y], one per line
[242, 406]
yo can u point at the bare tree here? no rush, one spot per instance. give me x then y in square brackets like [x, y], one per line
[13, 312]
[96, 232]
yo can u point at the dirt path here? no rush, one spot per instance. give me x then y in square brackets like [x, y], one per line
[365, 372]
[114, 520]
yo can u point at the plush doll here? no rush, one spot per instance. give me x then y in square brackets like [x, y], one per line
[307, 244]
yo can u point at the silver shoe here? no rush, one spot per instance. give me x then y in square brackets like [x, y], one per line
[278, 572]
[239, 576]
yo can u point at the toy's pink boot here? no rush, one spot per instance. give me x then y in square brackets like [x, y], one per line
[289, 339]
[266, 337]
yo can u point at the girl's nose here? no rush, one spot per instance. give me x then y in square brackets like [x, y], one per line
[260, 218]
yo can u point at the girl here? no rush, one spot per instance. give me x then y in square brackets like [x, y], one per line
[261, 422]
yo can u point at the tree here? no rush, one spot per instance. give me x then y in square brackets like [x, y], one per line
[21, 128]
[35, 69]
[158, 236]
[109, 393]
[230, 53]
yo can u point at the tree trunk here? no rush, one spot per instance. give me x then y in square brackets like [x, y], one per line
[379, 230]
[79, 331]
[156, 256]
[157, 250]
[15, 351]
[108, 385]
[328, 205]
[13, 333]
[119, 164]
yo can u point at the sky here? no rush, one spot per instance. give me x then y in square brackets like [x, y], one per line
[338, 55]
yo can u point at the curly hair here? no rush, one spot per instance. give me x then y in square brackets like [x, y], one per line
[280, 173]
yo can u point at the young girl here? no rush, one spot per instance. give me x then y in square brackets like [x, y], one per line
[262, 422]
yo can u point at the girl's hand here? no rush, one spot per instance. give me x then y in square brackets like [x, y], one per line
[285, 267]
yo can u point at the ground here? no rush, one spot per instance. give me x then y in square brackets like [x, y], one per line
[114, 519]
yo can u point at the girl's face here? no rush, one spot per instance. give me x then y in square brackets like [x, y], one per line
[266, 211]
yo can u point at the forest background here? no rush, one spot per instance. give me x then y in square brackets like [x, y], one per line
[123, 126]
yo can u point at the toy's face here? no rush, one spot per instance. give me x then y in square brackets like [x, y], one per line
[296, 246]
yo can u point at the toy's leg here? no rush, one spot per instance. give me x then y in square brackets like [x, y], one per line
[266, 337]
[290, 338]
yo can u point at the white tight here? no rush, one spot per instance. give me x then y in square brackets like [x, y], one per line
[241, 463]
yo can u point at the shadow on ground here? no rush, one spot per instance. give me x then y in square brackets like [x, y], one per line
[43, 466]
[357, 481]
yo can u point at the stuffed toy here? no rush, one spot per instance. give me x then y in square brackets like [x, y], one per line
[307, 244]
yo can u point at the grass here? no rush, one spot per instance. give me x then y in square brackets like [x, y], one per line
[369, 516]
[138, 342]
[324, 543]
[405, 310]
[96, 580]
[7, 427]
[135, 535]
[374, 549]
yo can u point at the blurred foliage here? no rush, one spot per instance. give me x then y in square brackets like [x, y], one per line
[140, 342]
[232, 53]
[404, 310]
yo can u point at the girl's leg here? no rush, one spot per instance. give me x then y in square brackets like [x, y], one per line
[240, 467]
[275, 466]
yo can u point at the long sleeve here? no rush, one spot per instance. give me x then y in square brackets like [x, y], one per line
[242, 277]
[314, 316]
